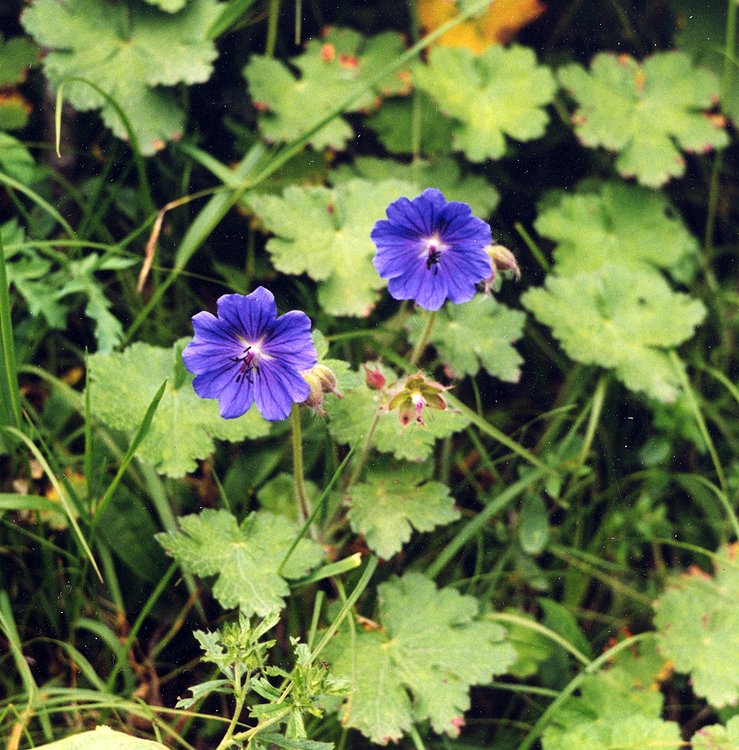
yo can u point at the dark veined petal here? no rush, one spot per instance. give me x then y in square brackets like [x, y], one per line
[249, 354]
[289, 341]
[250, 315]
[276, 388]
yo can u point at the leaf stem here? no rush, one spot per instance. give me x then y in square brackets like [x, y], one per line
[423, 338]
[273, 18]
[362, 460]
[539, 628]
[680, 370]
[301, 497]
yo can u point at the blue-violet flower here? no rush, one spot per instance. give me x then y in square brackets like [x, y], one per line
[249, 354]
[430, 250]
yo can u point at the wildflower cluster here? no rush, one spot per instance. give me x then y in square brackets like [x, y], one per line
[429, 249]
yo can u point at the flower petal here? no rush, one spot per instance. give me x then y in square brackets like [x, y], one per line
[249, 315]
[289, 341]
[276, 388]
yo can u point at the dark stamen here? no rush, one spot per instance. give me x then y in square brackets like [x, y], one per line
[248, 365]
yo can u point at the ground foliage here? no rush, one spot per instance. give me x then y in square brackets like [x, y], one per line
[510, 523]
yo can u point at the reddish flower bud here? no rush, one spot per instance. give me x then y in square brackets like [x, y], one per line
[374, 378]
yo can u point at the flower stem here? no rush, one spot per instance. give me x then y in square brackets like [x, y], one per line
[357, 471]
[423, 338]
[301, 498]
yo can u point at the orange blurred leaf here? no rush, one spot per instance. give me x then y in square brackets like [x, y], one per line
[497, 24]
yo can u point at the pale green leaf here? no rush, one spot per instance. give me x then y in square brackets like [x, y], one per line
[617, 223]
[132, 52]
[443, 174]
[350, 420]
[717, 737]
[388, 505]
[417, 667]
[477, 333]
[614, 732]
[645, 111]
[102, 738]
[697, 619]
[170, 6]
[501, 92]
[331, 70]
[326, 234]
[618, 707]
[394, 125]
[184, 426]
[278, 496]
[619, 318]
[245, 557]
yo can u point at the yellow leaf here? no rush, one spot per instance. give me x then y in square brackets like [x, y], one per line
[498, 23]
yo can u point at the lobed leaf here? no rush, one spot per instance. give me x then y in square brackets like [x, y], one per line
[622, 319]
[417, 665]
[443, 174]
[698, 625]
[351, 418]
[617, 707]
[617, 223]
[245, 557]
[477, 333]
[388, 505]
[717, 737]
[132, 52]
[325, 233]
[500, 93]
[184, 426]
[645, 111]
[331, 70]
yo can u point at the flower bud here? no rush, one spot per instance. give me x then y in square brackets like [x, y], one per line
[374, 378]
[321, 381]
[501, 259]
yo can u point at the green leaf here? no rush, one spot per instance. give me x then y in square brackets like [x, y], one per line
[245, 556]
[645, 112]
[388, 504]
[500, 92]
[443, 174]
[102, 738]
[417, 665]
[614, 732]
[132, 52]
[184, 426]
[278, 496]
[617, 707]
[351, 418]
[619, 318]
[698, 624]
[17, 55]
[326, 234]
[533, 525]
[16, 160]
[170, 6]
[701, 31]
[616, 223]
[394, 126]
[331, 70]
[477, 333]
[717, 737]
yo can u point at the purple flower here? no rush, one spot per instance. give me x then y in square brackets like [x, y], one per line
[431, 250]
[248, 354]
